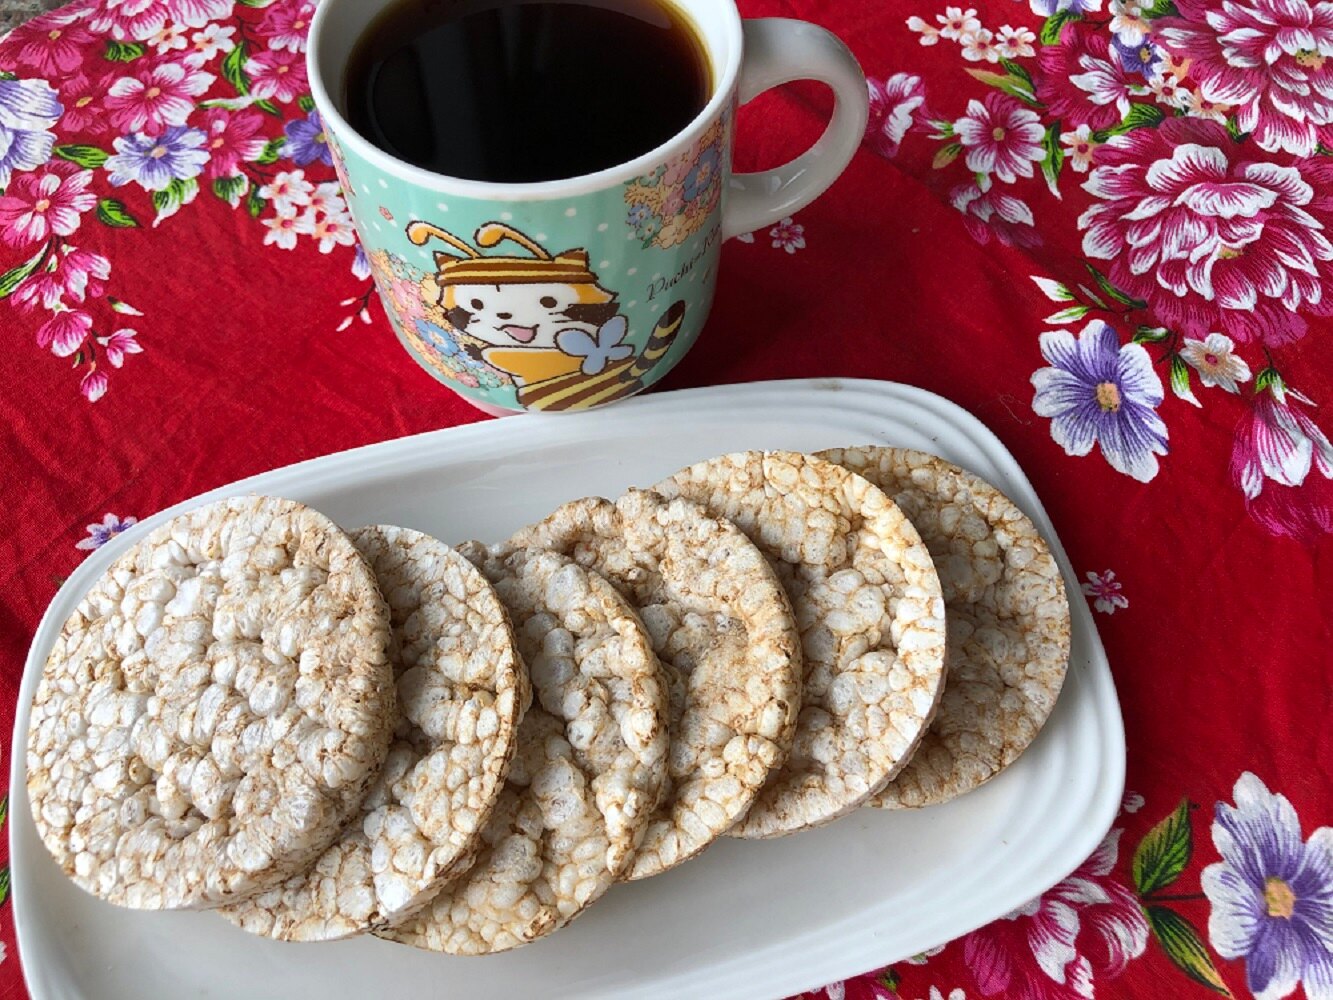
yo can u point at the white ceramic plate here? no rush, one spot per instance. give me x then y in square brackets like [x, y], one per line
[745, 920]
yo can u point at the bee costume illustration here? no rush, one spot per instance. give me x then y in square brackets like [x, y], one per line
[589, 363]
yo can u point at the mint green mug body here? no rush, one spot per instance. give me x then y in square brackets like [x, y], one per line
[572, 294]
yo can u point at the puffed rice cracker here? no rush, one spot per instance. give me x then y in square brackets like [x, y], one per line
[461, 693]
[213, 712]
[723, 628]
[589, 769]
[867, 600]
[1008, 619]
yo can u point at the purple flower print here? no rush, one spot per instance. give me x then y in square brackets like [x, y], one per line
[1271, 894]
[307, 141]
[1100, 392]
[154, 162]
[28, 111]
[704, 173]
[111, 526]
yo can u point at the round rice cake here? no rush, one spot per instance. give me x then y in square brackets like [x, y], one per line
[723, 629]
[1008, 622]
[588, 771]
[215, 709]
[461, 692]
[867, 601]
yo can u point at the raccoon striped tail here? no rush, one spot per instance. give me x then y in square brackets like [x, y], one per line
[661, 342]
[577, 391]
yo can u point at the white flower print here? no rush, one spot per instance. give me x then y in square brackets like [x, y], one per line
[289, 191]
[1105, 589]
[1079, 145]
[1127, 22]
[108, 528]
[330, 230]
[788, 235]
[1131, 803]
[1015, 43]
[929, 33]
[979, 46]
[206, 44]
[958, 22]
[1215, 361]
[172, 36]
[282, 231]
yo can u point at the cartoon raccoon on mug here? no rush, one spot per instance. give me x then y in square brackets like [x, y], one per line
[545, 320]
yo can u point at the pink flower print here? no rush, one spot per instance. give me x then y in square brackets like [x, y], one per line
[1269, 58]
[277, 74]
[979, 46]
[81, 96]
[209, 42]
[406, 296]
[1214, 238]
[155, 96]
[93, 385]
[129, 20]
[109, 528]
[1087, 928]
[1001, 137]
[988, 214]
[71, 275]
[64, 332]
[119, 344]
[894, 106]
[388, 216]
[788, 235]
[286, 24]
[51, 46]
[46, 202]
[233, 138]
[677, 170]
[1081, 81]
[1105, 590]
[282, 231]
[197, 13]
[1278, 442]
[871, 986]
[674, 204]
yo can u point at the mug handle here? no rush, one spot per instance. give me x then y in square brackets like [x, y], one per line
[777, 51]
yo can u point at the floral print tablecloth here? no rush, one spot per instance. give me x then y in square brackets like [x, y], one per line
[1101, 225]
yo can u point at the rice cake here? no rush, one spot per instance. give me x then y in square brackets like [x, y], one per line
[867, 601]
[461, 693]
[588, 771]
[723, 629]
[215, 709]
[1008, 622]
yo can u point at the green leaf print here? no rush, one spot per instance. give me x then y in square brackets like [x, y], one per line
[231, 189]
[271, 151]
[233, 69]
[255, 203]
[1054, 159]
[11, 279]
[306, 103]
[1185, 948]
[169, 201]
[1050, 31]
[111, 212]
[1104, 283]
[1180, 381]
[122, 51]
[1165, 849]
[1139, 116]
[4, 885]
[85, 156]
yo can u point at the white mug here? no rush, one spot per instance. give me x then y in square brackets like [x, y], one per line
[635, 246]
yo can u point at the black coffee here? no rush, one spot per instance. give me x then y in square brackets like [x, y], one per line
[513, 91]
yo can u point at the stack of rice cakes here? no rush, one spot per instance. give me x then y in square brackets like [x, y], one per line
[321, 735]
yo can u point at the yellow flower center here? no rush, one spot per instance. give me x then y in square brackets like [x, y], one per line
[54, 33]
[218, 143]
[1145, 55]
[42, 205]
[1310, 59]
[158, 152]
[1230, 253]
[152, 91]
[83, 102]
[997, 133]
[298, 25]
[1108, 397]
[1278, 896]
[321, 137]
[283, 69]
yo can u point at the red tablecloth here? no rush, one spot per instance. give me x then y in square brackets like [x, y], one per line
[1104, 229]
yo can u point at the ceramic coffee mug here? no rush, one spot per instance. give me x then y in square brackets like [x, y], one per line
[478, 279]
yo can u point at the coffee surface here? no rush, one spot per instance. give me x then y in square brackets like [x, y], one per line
[519, 91]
